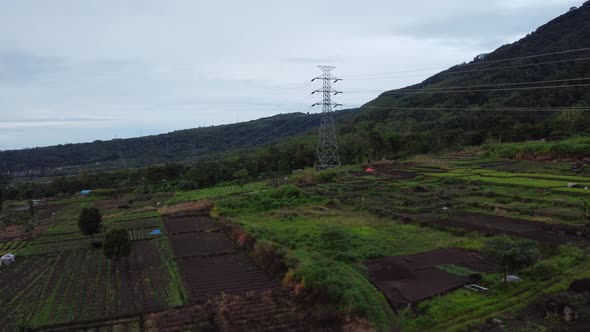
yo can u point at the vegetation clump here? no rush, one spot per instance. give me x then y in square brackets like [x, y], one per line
[511, 254]
[89, 221]
[116, 244]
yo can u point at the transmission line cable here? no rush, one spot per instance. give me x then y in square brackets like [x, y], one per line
[473, 63]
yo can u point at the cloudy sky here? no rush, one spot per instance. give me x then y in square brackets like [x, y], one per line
[76, 71]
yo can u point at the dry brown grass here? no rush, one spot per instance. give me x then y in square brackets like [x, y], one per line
[195, 207]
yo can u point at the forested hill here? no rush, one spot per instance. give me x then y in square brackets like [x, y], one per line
[466, 104]
[182, 145]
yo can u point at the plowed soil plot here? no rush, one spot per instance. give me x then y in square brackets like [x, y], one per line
[128, 324]
[190, 224]
[490, 224]
[252, 311]
[260, 311]
[200, 244]
[232, 273]
[395, 173]
[406, 280]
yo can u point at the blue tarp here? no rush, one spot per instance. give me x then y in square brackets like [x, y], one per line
[85, 192]
[155, 232]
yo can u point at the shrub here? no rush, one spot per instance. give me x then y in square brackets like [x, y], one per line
[266, 200]
[116, 244]
[89, 221]
[511, 254]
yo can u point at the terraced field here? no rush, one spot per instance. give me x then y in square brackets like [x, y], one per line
[208, 260]
[84, 285]
[12, 246]
[23, 286]
[230, 273]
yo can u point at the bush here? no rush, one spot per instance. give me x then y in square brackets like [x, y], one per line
[89, 221]
[116, 244]
[569, 255]
[266, 200]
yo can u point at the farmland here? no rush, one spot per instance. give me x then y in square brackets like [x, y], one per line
[215, 192]
[322, 244]
[59, 278]
[329, 229]
[209, 261]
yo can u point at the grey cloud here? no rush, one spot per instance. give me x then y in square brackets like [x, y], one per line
[18, 67]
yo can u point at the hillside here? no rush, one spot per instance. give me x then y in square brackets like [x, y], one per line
[466, 104]
[182, 145]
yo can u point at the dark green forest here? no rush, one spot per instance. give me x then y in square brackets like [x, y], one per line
[183, 145]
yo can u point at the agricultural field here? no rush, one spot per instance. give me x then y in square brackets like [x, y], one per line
[12, 246]
[215, 192]
[209, 261]
[60, 278]
[390, 249]
[329, 230]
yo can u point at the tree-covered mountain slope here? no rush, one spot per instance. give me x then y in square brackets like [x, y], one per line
[488, 99]
[177, 146]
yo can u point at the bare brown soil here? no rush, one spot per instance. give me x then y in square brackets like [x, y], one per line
[126, 324]
[231, 273]
[200, 244]
[190, 224]
[393, 170]
[490, 224]
[406, 280]
[251, 311]
[209, 261]
[14, 232]
[187, 209]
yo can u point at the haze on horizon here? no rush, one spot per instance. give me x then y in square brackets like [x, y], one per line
[73, 71]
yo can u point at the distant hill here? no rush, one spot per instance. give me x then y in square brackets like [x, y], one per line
[445, 111]
[182, 145]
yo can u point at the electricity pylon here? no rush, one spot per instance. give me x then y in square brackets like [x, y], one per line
[327, 154]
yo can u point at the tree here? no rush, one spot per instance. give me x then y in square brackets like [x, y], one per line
[90, 221]
[31, 208]
[116, 244]
[511, 254]
[84, 178]
[241, 175]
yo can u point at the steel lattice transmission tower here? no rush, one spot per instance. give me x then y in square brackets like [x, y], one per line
[327, 154]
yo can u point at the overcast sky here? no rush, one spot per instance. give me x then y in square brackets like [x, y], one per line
[76, 71]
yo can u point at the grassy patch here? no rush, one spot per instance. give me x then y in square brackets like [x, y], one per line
[214, 192]
[133, 216]
[331, 243]
[456, 270]
[464, 309]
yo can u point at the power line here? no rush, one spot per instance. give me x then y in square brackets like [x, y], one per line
[434, 91]
[495, 90]
[482, 109]
[474, 63]
[451, 72]
[483, 85]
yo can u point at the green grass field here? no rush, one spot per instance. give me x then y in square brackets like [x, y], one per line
[215, 192]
